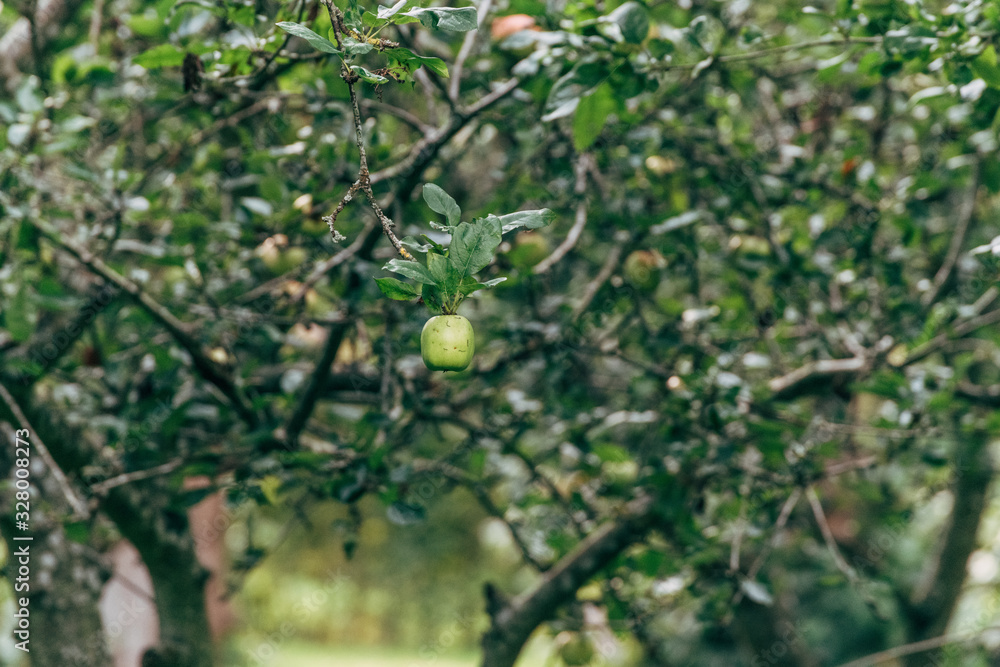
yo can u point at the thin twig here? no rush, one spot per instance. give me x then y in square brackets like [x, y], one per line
[364, 177]
[594, 286]
[317, 381]
[824, 368]
[135, 476]
[582, 165]
[463, 53]
[965, 216]
[829, 41]
[425, 149]
[824, 528]
[734, 550]
[328, 265]
[79, 507]
[915, 647]
[936, 343]
[783, 515]
[763, 53]
[407, 117]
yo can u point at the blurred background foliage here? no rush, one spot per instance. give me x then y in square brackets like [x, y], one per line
[766, 316]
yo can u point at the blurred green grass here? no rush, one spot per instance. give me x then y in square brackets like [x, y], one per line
[304, 654]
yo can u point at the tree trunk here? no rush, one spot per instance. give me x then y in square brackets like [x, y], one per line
[163, 540]
[62, 579]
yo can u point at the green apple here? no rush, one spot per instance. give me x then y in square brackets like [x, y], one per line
[642, 269]
[447, 343]
[529, 249]
[577, 651]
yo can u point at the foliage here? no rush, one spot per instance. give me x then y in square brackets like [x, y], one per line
[449, 274]
[790, 414]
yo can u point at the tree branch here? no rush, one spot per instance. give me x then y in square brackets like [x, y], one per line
[101, 488]
[514, 622]
[934, 600]
[209, 370]
[583, 164]
[965, 216]
[75, 502]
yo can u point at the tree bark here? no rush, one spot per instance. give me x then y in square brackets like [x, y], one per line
[166, 547]
[933, 602]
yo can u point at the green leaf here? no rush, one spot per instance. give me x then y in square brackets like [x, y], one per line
[164, 55]
[446, 18]
[410, 269]
[437, 266]
[353, 47]
[610, 452]
[415, 245]
[318, 42]
[542, 217]
[354, 16]
[472, 245]
[572, 86]
[633, 21]
[985, 67]
[389, 12]
[370, 77]
[396, 289]
[433, 298]
[412, 61]
[441, 202]
[470, 285]
[591, 115]
[18, 316]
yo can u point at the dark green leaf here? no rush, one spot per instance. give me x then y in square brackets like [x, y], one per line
[437, 266]
[433, 298]
[575, 84]
[985, 67]
[17, 316]
[441, 202]
[353, 47]
[633, 21]
[396, 289]
[542, 217]
[410, 269]
[164, 55]
[412, 61]
[318, 42]
[446, 18]
[611, 453]
[591, 115]
[370, 77]
[470, 285]
[354, 16]
[472, 245]
[415, 245]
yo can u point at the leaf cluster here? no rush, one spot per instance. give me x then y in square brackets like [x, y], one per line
[449, 274]
[362, 37]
